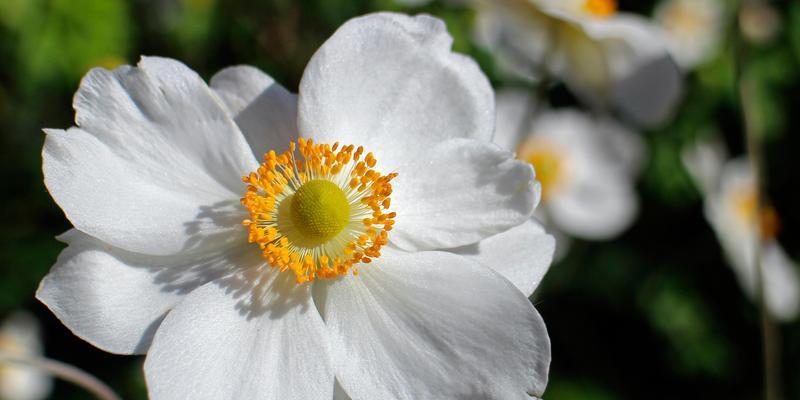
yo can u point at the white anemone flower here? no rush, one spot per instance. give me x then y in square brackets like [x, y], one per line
[729, 190]
[587, 166]
[693, 29]
[608, 58]
[20, 337]
[759, 21]
[383, 248]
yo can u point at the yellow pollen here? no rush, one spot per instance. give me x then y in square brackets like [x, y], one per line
[547, 162]
[321, 216]
[600, 8]
[745, 202]
[319, 209]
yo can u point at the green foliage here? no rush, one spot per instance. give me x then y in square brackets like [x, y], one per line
[66, 38]
[578, 390]
[770, 72]
[677, 312]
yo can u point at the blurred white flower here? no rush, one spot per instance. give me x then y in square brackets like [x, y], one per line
[732, 211]
[693, 29]
[587, 166]
[159, 260]
[759, 21]
[606, 57]
[20, 336]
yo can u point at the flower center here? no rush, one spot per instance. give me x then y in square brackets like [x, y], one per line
[320, 217]
[548, 163]
[745, 203]
[600, 8]
[319, 209]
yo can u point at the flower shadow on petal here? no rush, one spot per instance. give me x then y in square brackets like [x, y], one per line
[217, 253]
[216, 226]
[258, 288]
[266, 291]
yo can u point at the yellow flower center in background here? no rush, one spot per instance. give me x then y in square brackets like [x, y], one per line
[600, 8]
[745, 203]
[320, 217]
[548, 163]
[13, 346]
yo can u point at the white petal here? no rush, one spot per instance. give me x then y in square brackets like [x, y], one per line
[518, 38]
[522, 254]
[781, 282]
[434, 325]
[739, 238]
[255, 335]
[390, 82]
[153, 159]
[563, 243]
[623, 60]
[622, 149]
[736, 232]
[650, 95]
[704, 160]
[513, 121]
[582, 63]
[647, 82]
[595, 209]
[628, 39]
[115, 299]
[693, 27]
[593, 197]
[588, 143]
[464, 191]
[265, 112]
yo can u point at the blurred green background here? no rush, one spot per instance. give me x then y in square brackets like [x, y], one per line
[654, 314]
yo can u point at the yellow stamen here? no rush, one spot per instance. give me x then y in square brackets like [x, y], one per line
[745, 202]
[600, 8]
[320, 216]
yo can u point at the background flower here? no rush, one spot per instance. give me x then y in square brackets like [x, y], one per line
[730, 204]
[587, 166]
[20, 336]
[693, 28]
[606, 57]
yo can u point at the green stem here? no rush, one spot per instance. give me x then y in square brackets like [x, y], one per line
[769, 331]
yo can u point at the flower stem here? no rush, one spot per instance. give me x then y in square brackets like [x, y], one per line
[769, 331]
[64, 371]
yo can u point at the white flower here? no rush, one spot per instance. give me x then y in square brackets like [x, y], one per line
[587, 166]
[160, 262]
[693, 29]
[759, 21]
[20, 337]
[731, 209]
[606, 57]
